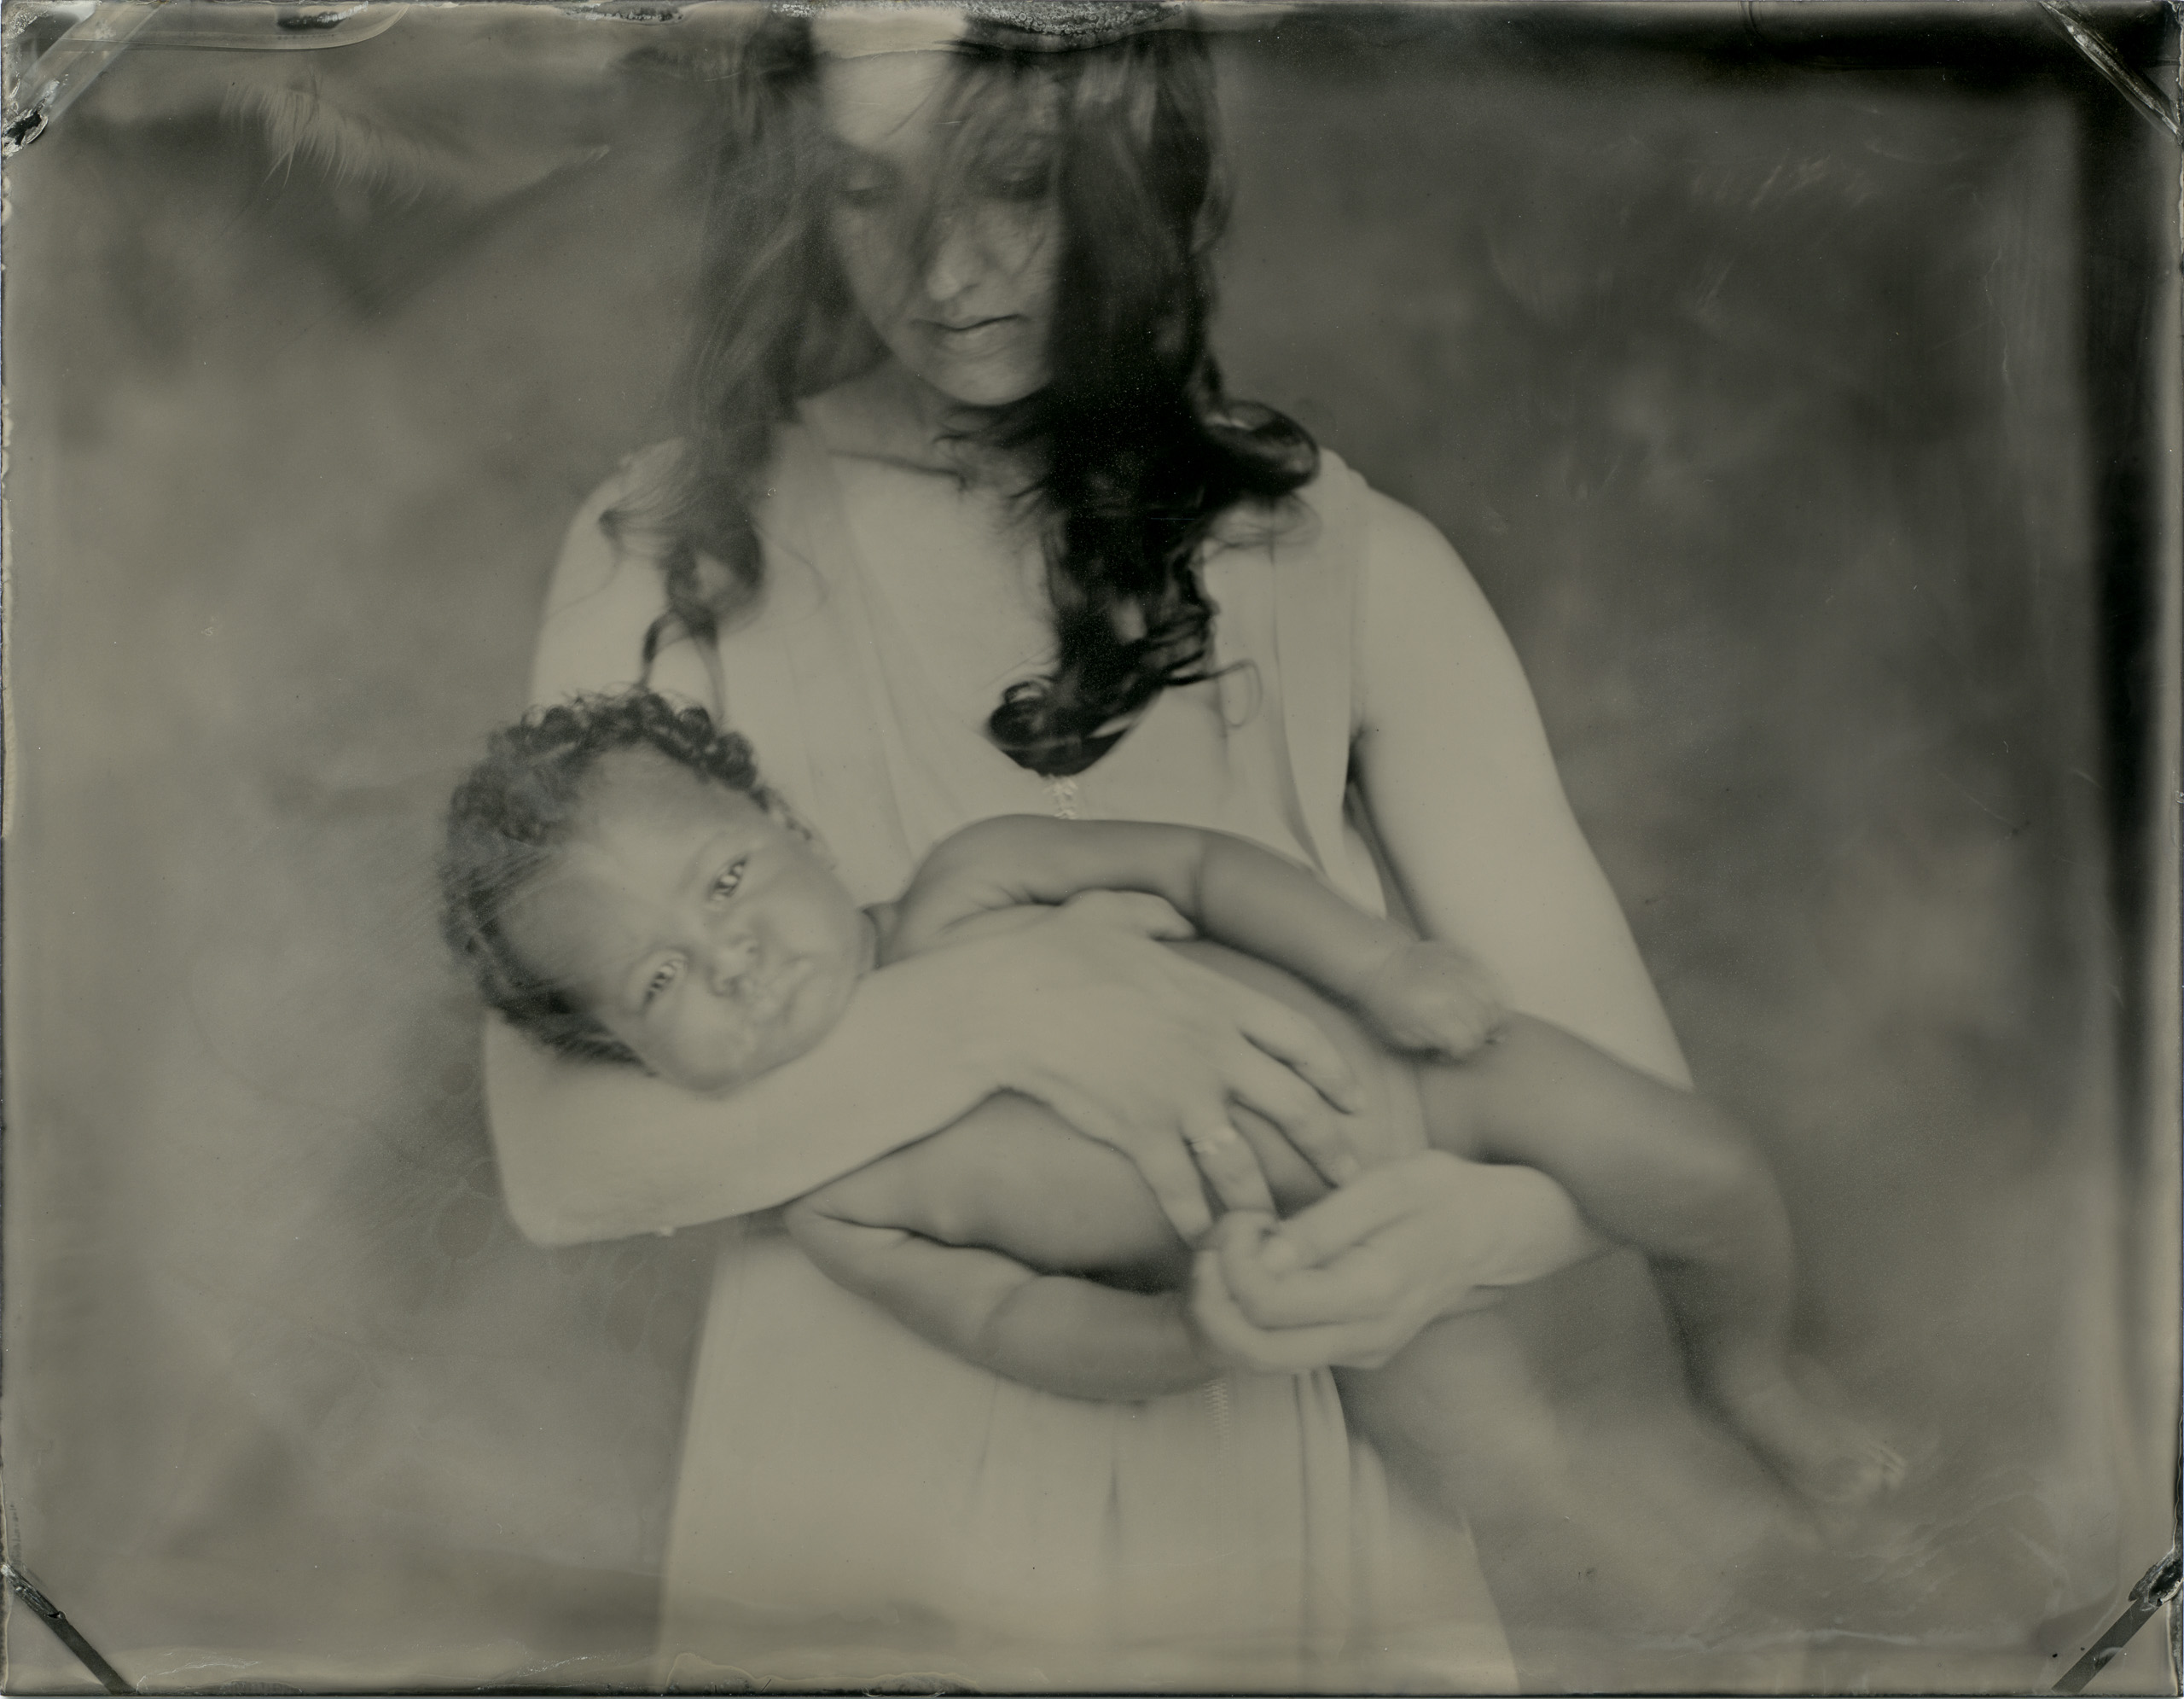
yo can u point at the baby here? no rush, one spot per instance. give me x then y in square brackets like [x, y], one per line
[624, 888]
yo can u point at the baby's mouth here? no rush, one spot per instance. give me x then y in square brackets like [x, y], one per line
[780, 990]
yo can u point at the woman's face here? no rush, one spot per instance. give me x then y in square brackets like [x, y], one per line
[952, 259]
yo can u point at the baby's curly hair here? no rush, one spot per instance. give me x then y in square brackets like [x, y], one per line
[511, 817]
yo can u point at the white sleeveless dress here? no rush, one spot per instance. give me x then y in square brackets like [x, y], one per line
[856, 1505]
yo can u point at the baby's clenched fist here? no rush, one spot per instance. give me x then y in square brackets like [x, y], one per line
[1432, 997]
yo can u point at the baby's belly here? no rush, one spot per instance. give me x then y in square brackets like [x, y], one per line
[1389, 1123]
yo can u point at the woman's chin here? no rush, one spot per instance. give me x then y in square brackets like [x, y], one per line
[952, 385]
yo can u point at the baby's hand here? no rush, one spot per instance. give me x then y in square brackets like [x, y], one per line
[1434, 998]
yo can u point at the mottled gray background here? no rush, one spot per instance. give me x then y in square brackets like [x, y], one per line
[1756, 387]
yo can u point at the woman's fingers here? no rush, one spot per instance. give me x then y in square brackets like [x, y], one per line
[1358, 1286]
[1148, 1052]
[1215, 1312]
[1350, 1281]
[1230, 1166]
[1292, 1040]
[1366, 1206]
[1324, 1137]
[1162, 1162]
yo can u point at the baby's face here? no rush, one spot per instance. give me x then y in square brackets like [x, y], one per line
[701, 932]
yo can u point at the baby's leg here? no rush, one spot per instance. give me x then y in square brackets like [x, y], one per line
[1420, 1410]
[1669, 1173]
[1013, 1176]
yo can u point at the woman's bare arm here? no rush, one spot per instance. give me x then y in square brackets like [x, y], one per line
[1466, 802]
[587, 1151]
[1465, 797]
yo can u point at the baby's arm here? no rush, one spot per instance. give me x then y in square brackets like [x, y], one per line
[1420, 995]
[1058, 1332]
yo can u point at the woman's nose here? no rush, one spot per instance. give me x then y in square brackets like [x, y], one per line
[953, 262]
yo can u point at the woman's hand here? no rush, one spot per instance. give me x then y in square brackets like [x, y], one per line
[1145, 1050]
[1353, 1279]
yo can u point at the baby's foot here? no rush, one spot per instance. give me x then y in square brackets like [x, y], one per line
[1831, 1459]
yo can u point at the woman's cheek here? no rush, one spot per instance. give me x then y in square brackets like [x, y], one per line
[869, 264]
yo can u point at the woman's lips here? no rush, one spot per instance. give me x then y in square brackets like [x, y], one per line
[973, 335]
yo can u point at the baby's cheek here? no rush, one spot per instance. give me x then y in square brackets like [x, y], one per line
[709, 1050]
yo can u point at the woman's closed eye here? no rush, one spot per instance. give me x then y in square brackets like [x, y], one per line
[1019, 185]
[865, 187]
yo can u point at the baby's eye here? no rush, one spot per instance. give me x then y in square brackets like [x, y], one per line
[663, 977]
[729, 877]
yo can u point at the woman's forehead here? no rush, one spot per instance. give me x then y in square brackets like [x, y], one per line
[856, 31]
[912, 101]
[886, 103]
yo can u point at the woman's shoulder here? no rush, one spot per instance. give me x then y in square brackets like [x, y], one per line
[608, 528]
[606, 589]
[1338, 517]
[641, 479]
[1387, 527]
[622, 523]
[1401, 539]
[1385, 536]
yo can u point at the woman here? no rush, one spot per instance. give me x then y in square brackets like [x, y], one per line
[962, 526]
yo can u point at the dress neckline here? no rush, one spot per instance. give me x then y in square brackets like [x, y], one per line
[841, 548]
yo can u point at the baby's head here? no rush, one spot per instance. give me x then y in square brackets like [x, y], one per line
[623, 888]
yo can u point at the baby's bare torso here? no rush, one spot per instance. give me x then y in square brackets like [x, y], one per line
[1013, 1176]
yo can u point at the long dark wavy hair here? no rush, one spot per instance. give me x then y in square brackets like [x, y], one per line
[1132, 449]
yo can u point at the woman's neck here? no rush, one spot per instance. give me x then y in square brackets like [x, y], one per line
[889, 416]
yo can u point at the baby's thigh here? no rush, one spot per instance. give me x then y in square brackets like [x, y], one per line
[1013, 1176]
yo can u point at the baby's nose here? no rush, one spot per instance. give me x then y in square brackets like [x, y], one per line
[732, 958]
